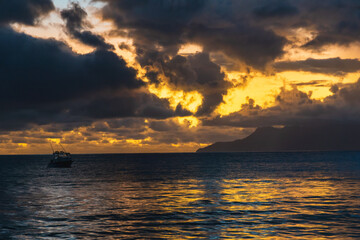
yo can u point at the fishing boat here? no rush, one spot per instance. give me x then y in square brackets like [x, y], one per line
[60, 159]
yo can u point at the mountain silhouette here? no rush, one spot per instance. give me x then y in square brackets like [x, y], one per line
[338, 137]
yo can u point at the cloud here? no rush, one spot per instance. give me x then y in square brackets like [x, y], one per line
[253, 32]
[171, 131]
[170, 24]
[126, 134]
[24, 11]
[195, 72]
[75, 19]
[43, 82]
[294, 107]
[37, 71]
[278, 9]
[331, 22]
[252, 45]
[46, 85]
[350, 93]
[342, 33]
[342, 28]
[331, 66]
[124, 46]
[126, 104]
[198, 72]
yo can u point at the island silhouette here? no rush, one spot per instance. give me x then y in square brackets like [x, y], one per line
[334, 137]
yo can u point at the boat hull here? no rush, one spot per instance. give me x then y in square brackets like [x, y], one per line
[60, 164]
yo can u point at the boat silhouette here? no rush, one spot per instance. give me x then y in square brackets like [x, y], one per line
[60, 159]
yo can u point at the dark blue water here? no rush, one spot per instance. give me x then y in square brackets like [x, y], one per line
[179, 196]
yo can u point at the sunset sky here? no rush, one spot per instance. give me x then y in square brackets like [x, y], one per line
[131, 76]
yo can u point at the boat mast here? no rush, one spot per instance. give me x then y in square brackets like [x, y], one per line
[63, 147]
[52, 147]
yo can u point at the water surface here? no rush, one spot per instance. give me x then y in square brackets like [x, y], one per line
[179, 196]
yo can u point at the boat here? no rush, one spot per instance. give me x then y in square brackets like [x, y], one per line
[60, 159]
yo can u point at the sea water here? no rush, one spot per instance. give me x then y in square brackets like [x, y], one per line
[314, 195]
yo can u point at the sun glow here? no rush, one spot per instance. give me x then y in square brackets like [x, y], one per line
[190, 49]
[188, 100]
[23, 145]
[54, 140]
[139, 142]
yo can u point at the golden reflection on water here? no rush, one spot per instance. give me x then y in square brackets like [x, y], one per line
[152, 197]
[228, 209]
[136, 206]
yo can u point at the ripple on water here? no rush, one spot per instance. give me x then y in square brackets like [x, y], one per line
[177, 196]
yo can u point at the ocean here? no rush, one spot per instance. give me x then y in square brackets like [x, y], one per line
[312, 195]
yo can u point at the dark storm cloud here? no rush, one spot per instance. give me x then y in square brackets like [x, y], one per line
[133, 104]
[208, 80]
[92, 39]
[193, 70]
[336, 22]
[36, 71]
[24, 11]
[163, 126]
[153, 21]
[279, 9]
[333, 22]
[342, 33]
[243, 30]
[43, 81]
[252, 45]
[332, 66]
[75, 19]
[351, 93]
[198, 72]
[211, 24]
[192, 73]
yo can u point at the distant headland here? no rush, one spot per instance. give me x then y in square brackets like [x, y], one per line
[337, 137]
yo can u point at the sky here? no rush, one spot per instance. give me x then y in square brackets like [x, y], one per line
[125, 76]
